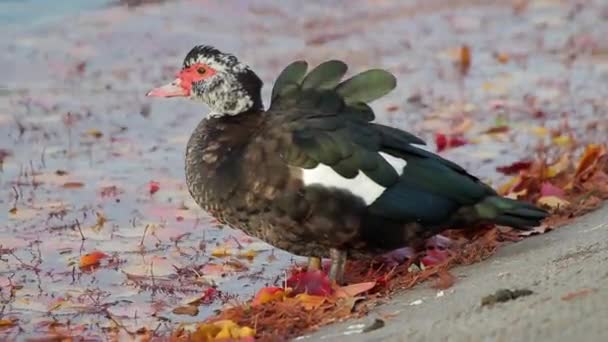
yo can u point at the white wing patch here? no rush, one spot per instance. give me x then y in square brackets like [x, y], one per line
[361, 185]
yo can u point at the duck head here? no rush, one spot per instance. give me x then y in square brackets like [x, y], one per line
[218, 79]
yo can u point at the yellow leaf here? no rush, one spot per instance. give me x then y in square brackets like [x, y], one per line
[248, 254]
[560, 166]
[562, 140]
[231, 330]
[220, 252]
[95, 133]
[310, 302]
[506, 188]
[552, 202]
[539, 131]
[268, 294]
[205, 332]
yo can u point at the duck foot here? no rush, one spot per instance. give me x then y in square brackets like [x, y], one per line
[338, 261]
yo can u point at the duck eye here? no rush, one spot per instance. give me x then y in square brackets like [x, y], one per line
[201, 70]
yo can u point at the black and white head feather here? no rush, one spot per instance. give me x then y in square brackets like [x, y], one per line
[233, 90]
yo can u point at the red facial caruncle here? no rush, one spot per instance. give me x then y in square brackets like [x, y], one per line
[182, 85]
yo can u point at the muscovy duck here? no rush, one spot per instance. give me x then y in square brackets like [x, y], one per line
[312, 174]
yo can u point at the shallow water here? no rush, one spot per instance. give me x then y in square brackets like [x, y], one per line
[83, 143]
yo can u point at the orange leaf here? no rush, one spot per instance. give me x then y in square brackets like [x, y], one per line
[560, 166]
[72, 185]
[310, 302]
[268, 294]
[220, 252]
[590, 157]
[464, 60]
[354, 289]
[6, 323]
[92, 259]
[501, 57]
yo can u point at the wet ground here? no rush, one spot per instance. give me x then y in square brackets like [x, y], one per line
[90, 164]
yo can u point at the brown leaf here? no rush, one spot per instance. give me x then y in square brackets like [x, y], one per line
[354, 289]
[589, 160]
[464, 60]
[578, 293]
[73, 185]
[189, 310]
[444, 280]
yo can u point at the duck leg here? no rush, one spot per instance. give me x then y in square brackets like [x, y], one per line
[338, 261]
[314, 263]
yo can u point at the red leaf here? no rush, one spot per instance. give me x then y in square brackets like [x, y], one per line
[515, 167]
[548, 189]
[153, 187]
[313, 282]
[210, 295]
[445, 142]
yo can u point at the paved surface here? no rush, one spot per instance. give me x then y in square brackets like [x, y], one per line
[555, 266]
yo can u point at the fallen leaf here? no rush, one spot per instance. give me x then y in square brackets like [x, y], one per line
[7, 323]
[73, 185]
[562, 140]
[248, 254]
[548, 189]
[153, 187]
[444, 280]
[95, 133]
[91, 259]
[578, 293]
[501, 57]
[100, 221]
[224, 329]
[590, 158]
[464, 59]
[268, 294]
[497, 130]
[552, 202]
[515, 167]
[539, 131]
[314, 282]
[221, 252]
[354, 289]
[559, 167]
[310, 302]
[445, 142]
[189, 310]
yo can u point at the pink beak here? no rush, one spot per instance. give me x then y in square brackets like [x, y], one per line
[169, 90]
